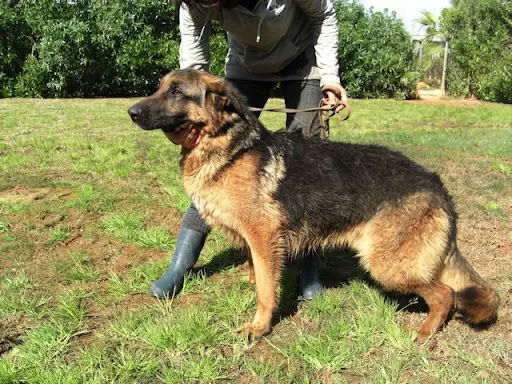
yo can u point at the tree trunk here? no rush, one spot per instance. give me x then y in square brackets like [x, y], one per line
[445, 64]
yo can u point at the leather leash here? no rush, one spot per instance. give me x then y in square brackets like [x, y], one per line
[324, 113]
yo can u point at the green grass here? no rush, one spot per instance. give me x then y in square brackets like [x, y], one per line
[90, 207]
[494, 208]
[76, 267]
[4, 226]
[59, 233]
[130, 228]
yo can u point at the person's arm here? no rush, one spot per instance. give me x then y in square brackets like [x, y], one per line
[325, 31]
[195, 30]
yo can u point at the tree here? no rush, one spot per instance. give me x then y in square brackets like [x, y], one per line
[90, 48]
[376, 52]
[480, 35]
[431, 50]
[15, 45]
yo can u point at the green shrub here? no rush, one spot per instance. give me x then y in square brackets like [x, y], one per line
[376, 52]
[480, 61]
[218, 49]
[90, 48]
[15, 45]
[497, 84]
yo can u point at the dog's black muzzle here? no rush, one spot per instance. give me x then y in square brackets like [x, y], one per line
[135, 112]
[137, 115]
[141, 116]
[149, 119]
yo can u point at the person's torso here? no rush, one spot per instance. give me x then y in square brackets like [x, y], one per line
[264, 26]
[268, 37]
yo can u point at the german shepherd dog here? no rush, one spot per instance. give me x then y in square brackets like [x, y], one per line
[279, 195]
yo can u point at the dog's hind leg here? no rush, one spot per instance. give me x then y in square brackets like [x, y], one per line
[440, 299]
[404, 248]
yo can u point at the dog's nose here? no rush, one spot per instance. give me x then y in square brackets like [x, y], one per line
[135, 112]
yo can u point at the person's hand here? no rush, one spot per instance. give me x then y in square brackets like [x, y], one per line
[335, 94]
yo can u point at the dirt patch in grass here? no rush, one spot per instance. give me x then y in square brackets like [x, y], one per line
[22, 194]
[11, 334]
[83, 231]
[168, 218]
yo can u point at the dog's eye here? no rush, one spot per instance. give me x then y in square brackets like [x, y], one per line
[173, 92]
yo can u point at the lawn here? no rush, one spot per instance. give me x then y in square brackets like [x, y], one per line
[90, 207]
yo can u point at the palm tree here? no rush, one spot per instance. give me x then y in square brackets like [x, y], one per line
[433, 56]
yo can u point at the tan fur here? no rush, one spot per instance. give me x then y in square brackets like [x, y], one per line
[440, 300]
[403, 246]
[405, 243]
[473, 297]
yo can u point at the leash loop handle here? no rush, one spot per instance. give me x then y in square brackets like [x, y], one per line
[323, 114]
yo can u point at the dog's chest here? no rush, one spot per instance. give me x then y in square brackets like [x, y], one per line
[221, 202]
[239, 193]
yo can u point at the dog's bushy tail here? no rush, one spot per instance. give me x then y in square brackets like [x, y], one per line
[474, 298]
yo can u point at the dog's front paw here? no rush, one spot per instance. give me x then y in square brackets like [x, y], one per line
[424, 337]
[254, 331]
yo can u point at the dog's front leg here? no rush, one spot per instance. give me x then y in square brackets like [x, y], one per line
[267, 257]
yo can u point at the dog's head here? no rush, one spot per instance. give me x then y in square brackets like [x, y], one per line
[189, 105]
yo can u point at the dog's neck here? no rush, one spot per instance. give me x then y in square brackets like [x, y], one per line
[213, 153]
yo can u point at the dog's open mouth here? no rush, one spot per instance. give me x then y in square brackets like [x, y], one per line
[185, 135]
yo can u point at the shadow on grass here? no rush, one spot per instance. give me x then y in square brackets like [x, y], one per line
[228, 258]
[338, 267]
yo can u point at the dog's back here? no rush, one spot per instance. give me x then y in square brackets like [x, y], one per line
[333, 184]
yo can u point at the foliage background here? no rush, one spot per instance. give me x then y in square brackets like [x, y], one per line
[95, 48]
[87, 48]
[480, 37]
[92, 48]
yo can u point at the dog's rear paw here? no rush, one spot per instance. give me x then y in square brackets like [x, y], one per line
[248, 267]
[252, 277]
[253, 331]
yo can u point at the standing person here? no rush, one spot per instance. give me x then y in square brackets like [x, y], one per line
[290, 42]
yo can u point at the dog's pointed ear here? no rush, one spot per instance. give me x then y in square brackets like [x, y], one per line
[224, 96]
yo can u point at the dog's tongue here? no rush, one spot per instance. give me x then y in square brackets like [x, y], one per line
[187, 137]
